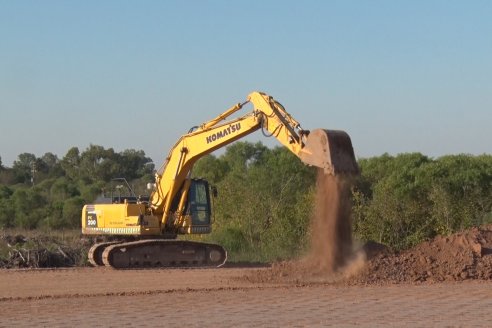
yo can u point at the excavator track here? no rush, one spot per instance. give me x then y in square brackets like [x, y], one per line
[162, 253]
[96, 251]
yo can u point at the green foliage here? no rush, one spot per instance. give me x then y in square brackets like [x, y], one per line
[71, 212]
[265, 198]
[49, 192]
[6, 209]
[23, 166]
[403, 200]
[5, 192]
[71, 164]
[7, 214]
[88, 192]
[29, 207]
[211, 168]
[7, 176]
[63, 189]
[260, 193]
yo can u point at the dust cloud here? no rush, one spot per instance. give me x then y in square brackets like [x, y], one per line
[331, 255]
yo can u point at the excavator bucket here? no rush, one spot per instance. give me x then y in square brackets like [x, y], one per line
[331, 150]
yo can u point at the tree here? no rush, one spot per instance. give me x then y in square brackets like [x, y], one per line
[262, 210]
[405, 199]
[49, 166]
[7, 176]
[6, 209]
[63, 189]
[50, 160]
[72, 209]
[462, 190]
[133, 164]
[23, 167]
[99, 164]
[7, 214]
[5, 192]
[30, 207]
[211, 168]
[241, 154]
[71, 163]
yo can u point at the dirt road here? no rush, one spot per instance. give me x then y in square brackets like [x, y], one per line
[99, 297]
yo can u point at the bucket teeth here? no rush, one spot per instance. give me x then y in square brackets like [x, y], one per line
[330, 150]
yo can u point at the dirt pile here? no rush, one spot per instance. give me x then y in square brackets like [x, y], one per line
[331, 252]
[461, 256]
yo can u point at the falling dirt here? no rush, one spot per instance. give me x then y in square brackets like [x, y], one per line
[331, 256]
[331, 229]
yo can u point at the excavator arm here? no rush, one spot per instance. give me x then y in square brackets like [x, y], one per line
[330, 150]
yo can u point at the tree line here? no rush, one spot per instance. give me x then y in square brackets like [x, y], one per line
[264, 204]
[48, 192]
[405, 199]
[267, 195]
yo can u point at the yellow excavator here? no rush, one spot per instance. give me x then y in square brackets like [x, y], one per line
[146, 228]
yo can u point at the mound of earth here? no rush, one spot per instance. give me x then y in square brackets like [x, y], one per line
[461, 256]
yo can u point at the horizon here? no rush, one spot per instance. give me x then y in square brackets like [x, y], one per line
[221, 151]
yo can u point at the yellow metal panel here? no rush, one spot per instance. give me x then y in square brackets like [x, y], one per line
[118, 219]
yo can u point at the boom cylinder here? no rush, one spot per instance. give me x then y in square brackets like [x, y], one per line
[223, 116]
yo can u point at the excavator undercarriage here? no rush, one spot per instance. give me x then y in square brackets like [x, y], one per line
[157, 253]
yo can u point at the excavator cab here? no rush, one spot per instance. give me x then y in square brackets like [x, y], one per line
[199, 207]
[196, 217]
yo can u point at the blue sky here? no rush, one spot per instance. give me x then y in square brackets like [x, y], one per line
[398, 76]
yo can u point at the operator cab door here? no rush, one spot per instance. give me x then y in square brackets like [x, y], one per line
[199, 203]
